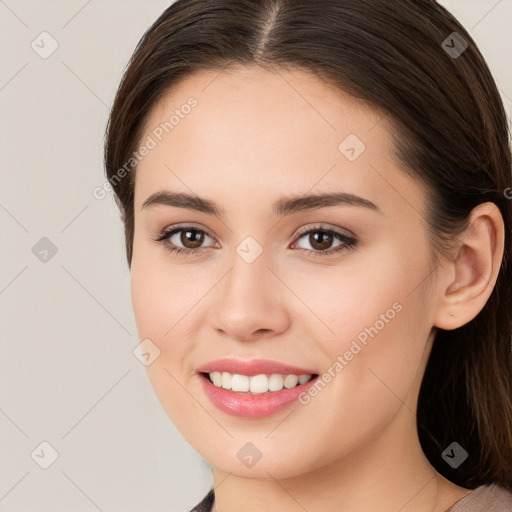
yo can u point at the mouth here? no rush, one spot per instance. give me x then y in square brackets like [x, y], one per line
[255, 396]
[254, 388]
[256, 384]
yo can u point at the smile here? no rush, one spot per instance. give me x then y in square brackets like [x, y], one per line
[257, 384]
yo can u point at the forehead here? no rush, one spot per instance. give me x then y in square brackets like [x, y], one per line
[245, 102]
[262, 134]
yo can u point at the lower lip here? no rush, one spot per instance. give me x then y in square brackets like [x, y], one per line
[252, 406]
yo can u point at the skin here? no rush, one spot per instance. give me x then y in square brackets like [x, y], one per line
[255, 137]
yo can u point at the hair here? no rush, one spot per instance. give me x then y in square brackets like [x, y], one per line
[449, 132]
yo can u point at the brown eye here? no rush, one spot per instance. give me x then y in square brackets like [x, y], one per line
[188, 239]
[183, 239]
[320, 240]
[192, 238]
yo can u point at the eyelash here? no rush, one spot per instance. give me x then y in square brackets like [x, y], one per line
[348, 241]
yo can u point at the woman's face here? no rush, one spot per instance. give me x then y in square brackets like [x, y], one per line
[254, 286]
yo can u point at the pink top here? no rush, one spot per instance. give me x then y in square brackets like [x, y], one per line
[486, 498]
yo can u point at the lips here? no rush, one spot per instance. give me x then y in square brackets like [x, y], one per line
[250, 405]
[253, 367]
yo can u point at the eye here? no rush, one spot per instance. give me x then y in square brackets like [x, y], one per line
[320, 239]
[191, 237]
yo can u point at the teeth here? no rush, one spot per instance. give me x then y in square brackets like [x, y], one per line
[240, 382]
[216, 378]
[304, 378]
[257, 384]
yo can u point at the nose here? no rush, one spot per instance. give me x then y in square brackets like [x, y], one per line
[251, 301]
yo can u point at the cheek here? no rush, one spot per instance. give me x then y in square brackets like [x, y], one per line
[375, 288]
[163, 300]
[157, 308]
[159, 292]
[146, 296]
[160, 316]
[377, 318]
[394, 341]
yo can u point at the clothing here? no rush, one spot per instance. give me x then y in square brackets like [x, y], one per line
[206, 504]
[486, 498]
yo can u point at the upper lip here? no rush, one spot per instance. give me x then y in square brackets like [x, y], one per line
[252, 367]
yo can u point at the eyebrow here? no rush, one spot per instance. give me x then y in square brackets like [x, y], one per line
[282, 207]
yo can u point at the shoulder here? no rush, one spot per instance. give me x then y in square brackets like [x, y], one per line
[483, 499]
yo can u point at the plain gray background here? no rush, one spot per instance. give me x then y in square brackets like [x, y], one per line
[68, 375]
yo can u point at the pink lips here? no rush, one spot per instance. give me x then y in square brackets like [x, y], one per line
[247, 405]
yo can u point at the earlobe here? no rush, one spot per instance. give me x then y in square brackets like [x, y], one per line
[472, 273]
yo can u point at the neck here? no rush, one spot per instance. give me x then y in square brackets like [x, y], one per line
[390, 473]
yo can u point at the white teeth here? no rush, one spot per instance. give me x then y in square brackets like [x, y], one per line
[291, 381]
[257, 384]
[226, 380]
[240, 382]
[304, 378]
[275, 382]
[216, 378]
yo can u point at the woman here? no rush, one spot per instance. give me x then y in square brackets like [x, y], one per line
[316, 201]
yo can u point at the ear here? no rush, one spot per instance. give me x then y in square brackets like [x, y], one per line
[469, 276]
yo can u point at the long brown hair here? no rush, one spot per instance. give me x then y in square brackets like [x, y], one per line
[450, 132]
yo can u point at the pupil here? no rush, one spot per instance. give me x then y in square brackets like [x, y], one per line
[194, 241]
[324, 242]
